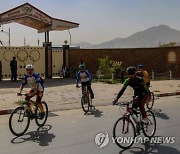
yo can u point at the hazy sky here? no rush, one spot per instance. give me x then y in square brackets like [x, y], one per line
[100, 20]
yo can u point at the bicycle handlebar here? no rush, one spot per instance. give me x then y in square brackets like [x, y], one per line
[22, 94]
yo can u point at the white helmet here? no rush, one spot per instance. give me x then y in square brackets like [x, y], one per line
[29, 67]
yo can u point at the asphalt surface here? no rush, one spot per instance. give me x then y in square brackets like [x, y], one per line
[72, 132]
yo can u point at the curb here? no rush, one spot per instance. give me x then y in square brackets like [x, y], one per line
[167, 94]
[3, 112]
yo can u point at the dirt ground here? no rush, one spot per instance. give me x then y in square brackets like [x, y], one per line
[62, 94]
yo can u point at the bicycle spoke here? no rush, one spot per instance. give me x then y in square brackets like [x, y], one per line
[124, 133]
[150, 128]
[41, 117]
[19, 121]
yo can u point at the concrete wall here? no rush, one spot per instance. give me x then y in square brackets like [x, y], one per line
[153, 58]
[29, 55]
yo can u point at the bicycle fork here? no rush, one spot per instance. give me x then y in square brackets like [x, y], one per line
[21, 116]
[125, 128]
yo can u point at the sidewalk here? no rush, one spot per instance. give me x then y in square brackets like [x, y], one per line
[61, 94]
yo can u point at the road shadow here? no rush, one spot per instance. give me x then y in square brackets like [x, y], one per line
[41, 136]
[151, 148]
[47, 83]
[95, 112]
[158, 113]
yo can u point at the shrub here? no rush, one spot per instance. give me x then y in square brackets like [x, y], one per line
[107, 67]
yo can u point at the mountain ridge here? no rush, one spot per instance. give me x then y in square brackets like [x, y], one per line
[150, 37]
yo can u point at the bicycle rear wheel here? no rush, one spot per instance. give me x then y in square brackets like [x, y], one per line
[150, 128]
[19, 121]
[41, 118]
[85, 103]
[150, 101]
[124, 133]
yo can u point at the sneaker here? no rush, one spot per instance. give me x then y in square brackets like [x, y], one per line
[92, 96]
[135, 111]
[145, 120]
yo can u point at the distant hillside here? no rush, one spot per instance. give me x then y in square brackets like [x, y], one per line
[82, 45]
[150, 37]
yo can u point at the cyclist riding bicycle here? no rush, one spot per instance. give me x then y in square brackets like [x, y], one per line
[36, 85]
[85, 78]
[140, 91]
[144, 74]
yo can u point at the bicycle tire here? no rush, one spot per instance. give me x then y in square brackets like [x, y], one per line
[85, 103]
[24, 114]
[120, 124]
[151, 120]
[150, 103]
[41, 121]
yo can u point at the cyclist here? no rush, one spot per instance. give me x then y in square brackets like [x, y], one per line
[85, 78]
[140, 91]
[144, 74]
[37, 88]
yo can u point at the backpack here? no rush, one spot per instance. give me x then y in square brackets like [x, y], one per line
[140, 74]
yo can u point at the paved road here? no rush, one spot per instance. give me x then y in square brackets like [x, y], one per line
[72, 132]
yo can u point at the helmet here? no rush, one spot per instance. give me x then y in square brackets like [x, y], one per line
[29, 67]
[140, 66]
[131, 70]
[81, 66]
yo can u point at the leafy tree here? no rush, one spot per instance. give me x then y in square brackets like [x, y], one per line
[107, 67]
[170, 44]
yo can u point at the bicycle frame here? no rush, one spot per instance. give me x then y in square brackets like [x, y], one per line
[86, 91]
[127, 114]
[28, 104]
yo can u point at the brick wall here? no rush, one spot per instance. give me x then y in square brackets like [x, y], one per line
[153, 58]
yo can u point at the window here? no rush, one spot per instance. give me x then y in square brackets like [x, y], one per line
[171, 57]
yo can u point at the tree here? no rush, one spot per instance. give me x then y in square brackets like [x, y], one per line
[107, 67]
[170, 44]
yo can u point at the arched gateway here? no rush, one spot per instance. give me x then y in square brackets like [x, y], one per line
[30, 16]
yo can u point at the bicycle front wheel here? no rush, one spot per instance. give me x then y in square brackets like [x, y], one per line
[150, 101]
[41, 117]
[19, 121]
[149, 129]
[85, 103]
[124, 133]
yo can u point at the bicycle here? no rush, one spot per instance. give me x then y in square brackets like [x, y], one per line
[124, 128]
[150, 100]
[86, 101]
[20, 117]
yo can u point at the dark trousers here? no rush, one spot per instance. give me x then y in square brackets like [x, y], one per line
[13, 76]
[140, 103]
[88, 87]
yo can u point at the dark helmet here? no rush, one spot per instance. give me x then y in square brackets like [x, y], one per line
[140, 66]
[81, 66]
[131, 70]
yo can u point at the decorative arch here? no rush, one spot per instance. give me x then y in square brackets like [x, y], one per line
[172, 57]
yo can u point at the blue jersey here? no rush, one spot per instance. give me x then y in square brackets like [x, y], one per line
[33, 82]
[83, 76]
